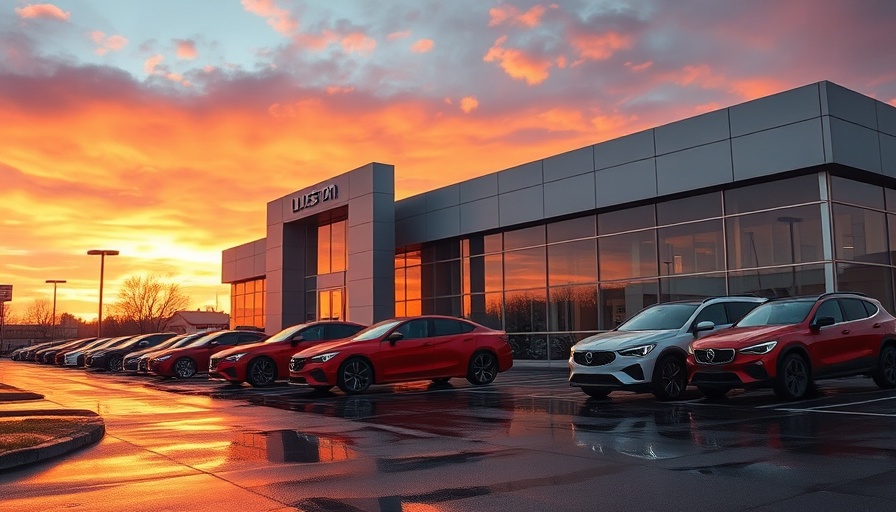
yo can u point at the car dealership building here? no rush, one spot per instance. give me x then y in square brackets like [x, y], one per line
[785, 195]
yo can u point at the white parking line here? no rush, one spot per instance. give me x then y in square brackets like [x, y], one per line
[848, 413]
[852, 403]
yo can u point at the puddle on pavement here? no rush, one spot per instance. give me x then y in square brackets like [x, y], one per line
[290, 446]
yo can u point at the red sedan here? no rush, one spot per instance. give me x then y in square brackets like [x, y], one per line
[184, 362]
[405, 349]
[260, 364]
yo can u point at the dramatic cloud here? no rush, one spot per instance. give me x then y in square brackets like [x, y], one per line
[422, 46]
[45, 11]
[280, 19]
[600, 46]
[507, 13]
[517, 64]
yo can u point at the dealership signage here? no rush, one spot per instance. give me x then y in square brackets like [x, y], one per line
[5, 292]
[310, 199]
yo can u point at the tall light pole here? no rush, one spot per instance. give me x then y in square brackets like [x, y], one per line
[102, 253]
[55, 283]
[790, 222]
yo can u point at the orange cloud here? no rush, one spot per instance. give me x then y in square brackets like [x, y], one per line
[46, 11]
[357, 42]
[600, 46]
[517, 64]
[150, 64]
[333, 89]
[398, 35]
[506, 13]
[422, 46]
[468, 104]
[106, 44]
[186, 49]
[279, 19]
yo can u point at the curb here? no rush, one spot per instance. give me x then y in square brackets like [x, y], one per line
[89, 434]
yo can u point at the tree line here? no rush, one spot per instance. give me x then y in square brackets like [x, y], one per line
[144, 304]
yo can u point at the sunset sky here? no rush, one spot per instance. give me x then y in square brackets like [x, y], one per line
[162, 128]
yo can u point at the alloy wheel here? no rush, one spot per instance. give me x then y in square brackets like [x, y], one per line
[262, 372]
[483, 368]
[355, 376]
[185, 368]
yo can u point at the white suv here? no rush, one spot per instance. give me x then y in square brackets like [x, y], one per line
[648, 351]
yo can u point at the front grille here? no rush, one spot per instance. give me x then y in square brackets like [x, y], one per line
[142, 365]
[714, 355]
[593, 357]
[213, 363]
[296, 364]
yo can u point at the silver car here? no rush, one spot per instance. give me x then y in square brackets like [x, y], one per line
[647, 353]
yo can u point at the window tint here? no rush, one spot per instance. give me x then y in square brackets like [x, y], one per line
[445, 327]
[737, 310]
[870, 308]
[313, 333]
[854, 309]
[414, 329]
[829, 308]
[227, 339]
[248, 338]
[339, 331]
[714, 313]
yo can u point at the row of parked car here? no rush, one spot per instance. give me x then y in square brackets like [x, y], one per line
[318, 354]
[724, 343]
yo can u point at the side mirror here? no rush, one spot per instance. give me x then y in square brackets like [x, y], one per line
[143, 343]
[822, 321]
[705, 325]
[213, 343]
[296, 340]
[395, 336]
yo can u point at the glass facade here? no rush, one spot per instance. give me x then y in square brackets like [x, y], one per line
[247, 303]
[326, 260]
[550, 285]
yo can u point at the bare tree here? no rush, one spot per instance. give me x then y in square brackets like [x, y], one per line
[6, 312]
[149, 302]
[40, 312]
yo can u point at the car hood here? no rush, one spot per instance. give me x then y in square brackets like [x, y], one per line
[255, 348]
[737, 337]
[615, 340]
[329, 346]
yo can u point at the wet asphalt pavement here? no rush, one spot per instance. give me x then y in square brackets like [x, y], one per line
[526, 443]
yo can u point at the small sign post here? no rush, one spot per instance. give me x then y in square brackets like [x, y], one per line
[5, 296]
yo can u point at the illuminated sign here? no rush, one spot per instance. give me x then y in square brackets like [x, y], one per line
[313, 198]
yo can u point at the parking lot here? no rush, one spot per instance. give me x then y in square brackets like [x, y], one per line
[526, 442]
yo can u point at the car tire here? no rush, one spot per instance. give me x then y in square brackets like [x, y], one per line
[115, 363]
[670, 378]
[885, 373]
[794, 379]
[261, 372]
[597, 392]
[355, 376]
[482, 369]
[714, 392]
[184, 368]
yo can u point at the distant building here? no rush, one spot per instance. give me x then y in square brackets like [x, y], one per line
[185, 322]
[20, 335]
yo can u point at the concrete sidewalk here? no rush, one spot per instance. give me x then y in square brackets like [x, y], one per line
[33, 430]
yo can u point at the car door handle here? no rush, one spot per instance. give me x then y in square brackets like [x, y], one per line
[876, 326]
[844, 331]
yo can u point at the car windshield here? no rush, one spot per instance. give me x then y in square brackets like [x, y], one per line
[376, 330]
[777, 313]
[662, 317]
[285, 334]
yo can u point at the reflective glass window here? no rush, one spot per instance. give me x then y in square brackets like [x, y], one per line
[627, 255]
[525, 268]
[691, 248]
[855, 192]
[448, 306]
[572, 262]
[413, 285]
[445, 327]
[573, 308]
[715, 313]
[494, 273]
[619, 301]
[704, 206]
[777, 237]
[486, 309]
[802, 189]
[872, 280]
[338, 246]
[572, 229]
[525, 311]
[414, 329]
[778, 282]
[829, 308]
[492, 243]
[854, 309]
[860, 235]
[447, 278]
[526, 237]
[626, 220]
[400, 284]
[323, 249]
[890, 195]
[692, 287]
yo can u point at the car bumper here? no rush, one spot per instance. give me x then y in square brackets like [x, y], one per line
[632, 373]
[743, 372]
[227, 371]
[163, 368]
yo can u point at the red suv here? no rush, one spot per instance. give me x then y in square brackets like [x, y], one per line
[788, 343]
[260, 364]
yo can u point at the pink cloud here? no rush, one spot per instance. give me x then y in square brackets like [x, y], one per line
[501, 14]
[517, 64]
[506, 13]
[600, 46]
[279, 19]
[335, 89]
[186, 49]
[398, 35]
[422, 46]
[150, 64]
[639, 67]
[357, 42]
[48, 11]
[107, 44]
[468, 104]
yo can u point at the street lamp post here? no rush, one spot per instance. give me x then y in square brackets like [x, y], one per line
[102, 253]
[790, 222]
[55, 283]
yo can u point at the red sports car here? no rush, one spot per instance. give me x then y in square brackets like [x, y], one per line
[260, 364]
[433, 348]
[186, 361]
[789, 343]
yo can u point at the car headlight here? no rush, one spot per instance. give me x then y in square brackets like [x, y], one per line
[235, 357]
[162, 358]
[639, 351]
[690, 349]
[762, 348]
[323, 358]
